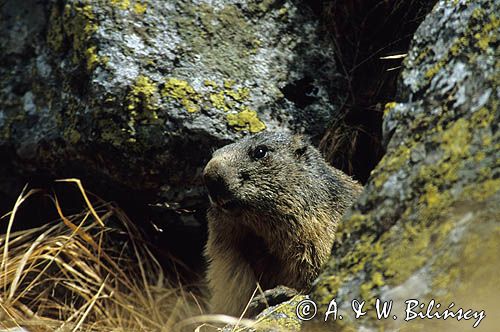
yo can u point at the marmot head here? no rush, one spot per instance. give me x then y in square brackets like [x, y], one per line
[268, 172]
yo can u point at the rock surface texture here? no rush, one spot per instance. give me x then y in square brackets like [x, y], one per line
[133, 95]
[428, 225]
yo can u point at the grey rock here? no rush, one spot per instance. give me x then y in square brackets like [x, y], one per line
[134, 95]
[426, 226]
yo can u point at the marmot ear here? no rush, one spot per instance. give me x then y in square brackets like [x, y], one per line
[300, 145]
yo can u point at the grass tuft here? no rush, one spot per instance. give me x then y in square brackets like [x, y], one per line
[92, 271]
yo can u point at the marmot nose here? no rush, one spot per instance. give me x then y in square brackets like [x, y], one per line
[216, 185]
[215, 182]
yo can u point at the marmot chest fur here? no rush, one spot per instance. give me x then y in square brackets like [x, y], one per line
[275, 204]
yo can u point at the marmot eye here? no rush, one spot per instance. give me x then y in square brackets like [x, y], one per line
[260, 152]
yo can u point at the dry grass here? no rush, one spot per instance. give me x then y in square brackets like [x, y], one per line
[87, 272]
[93, 271]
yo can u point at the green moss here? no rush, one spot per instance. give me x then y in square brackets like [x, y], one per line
[459, 46]
[455, 142]
[246, 120]
[228, 84]
[231, 35]
[366, 255]
[140, 8]
[8, 123]
[442, 281]
[431, 197]
[75, 24]
[363, 251]
[82, 27]
[415, 237]
[433, 202]
[479, 156]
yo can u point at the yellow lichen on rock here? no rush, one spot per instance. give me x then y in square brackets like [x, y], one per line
[391, 163]
[488, 34]
[143, 93]
[142, 105]
[140, 7]
[246, 120]
[122, 4]
[76, 23]
[218, 100]
[183, 93]
[388, 107]
[92, 57]
[455, 140]
[225, 97]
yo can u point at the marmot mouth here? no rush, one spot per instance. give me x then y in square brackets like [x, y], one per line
[224, 203]
[231, 205]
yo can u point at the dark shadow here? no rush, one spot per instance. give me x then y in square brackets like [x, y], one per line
[361, 32]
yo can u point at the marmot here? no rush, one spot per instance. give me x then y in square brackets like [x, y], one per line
[275, 204]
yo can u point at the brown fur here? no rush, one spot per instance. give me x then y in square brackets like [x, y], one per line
[272, 219]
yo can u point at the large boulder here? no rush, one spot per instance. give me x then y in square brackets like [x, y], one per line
[428, 224]
[132, 96]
